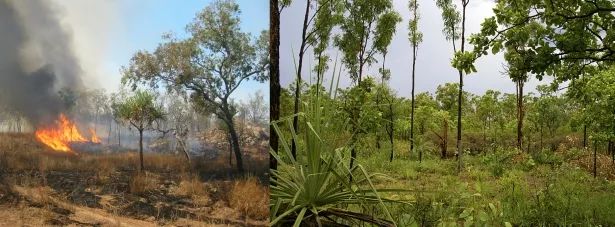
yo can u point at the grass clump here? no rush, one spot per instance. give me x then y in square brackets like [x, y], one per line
[250, 197]
[142, 182]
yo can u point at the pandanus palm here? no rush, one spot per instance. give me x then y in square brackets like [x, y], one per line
[313, 188]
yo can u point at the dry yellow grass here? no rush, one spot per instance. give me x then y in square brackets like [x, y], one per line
[27, 163]
[21, 152]
[250, 197]
[192, 187]
[142, 182]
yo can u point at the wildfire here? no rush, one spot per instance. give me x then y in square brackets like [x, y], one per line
[59, 136]
[94, 138]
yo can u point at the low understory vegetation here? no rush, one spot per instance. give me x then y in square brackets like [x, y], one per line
[166, 193]
[505, 187]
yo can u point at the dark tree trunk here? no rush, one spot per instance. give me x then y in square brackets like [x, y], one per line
[611, 151]
[529, 141]
[274, 74]
[445, 139]
[119, 135]
[413, 101]
[485, 132]
[584, 136]
[236, 148]
[95, 121]
[520, 114]
[182, 145]
[109, 133]
[391, 129]
[384, 57]
[141, 168]
[230, 150]
[595, 158]
[541, 136]
[377, 140]
[460, 96]
[353, 152]
[299, 68]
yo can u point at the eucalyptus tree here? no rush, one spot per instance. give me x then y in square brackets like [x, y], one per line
[488, 111]
[460, 57]
[386, 29]
[208, 66]
[360, 40]
[386, 111]
[600, 110]
[315, 32]
[357, 105]
[415, 37]
[139, 111]
[515, 57]
[452, 18]
[366, 29]
[302, 49]
[99, 101]
[328, 14]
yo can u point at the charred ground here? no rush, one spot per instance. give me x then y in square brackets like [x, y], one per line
[42, 187]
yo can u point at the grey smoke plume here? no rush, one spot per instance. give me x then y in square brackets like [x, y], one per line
[35, 60]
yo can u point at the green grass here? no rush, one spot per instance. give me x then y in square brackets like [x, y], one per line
[495, 189]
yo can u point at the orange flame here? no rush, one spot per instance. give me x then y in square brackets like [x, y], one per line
[94, 138]
[61, 134]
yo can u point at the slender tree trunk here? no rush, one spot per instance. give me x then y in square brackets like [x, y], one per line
[109, 133]
[391, 131]
[541, 136]
[353, 151]
[377, 139]
[529, 141]
[274, 77]
[519, 114]
[119, 131]
[584, 136]
[299, 68]
[376, 131]
[182, 145]
[485, 131]
[595, 158]
[230, 150]
[445, 140]
[413, 101]
[611, 151]
[459, 148]
[141, 150]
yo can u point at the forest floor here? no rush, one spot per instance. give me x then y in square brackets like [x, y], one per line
[39, 187]
[527, 189]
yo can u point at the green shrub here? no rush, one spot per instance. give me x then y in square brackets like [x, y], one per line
[499, 161]
[547, 157]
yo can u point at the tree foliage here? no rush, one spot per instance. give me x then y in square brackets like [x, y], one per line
[209, 65]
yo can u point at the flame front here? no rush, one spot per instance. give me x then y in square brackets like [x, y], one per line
[94, 138]
[59, 136]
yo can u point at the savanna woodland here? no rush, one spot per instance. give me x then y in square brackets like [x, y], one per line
[173, 144]
[362, 155]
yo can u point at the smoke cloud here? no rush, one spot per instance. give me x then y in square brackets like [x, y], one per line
[36, 60]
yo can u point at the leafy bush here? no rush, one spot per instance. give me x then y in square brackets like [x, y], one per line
[499, 161]
[547, 157]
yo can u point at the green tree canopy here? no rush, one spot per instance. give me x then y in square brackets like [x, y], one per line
[209, 65]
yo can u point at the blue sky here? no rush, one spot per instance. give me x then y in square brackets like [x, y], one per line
[114, 30]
